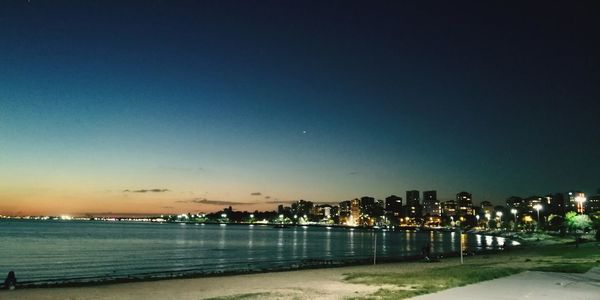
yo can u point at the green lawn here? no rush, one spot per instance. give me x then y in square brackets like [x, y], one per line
[549, 258]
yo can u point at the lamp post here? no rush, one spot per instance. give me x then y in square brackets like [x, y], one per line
[538, 207]
[514, 212]
[499, 215]
[487, 217]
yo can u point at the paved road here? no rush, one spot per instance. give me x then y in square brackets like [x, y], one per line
[528, 285]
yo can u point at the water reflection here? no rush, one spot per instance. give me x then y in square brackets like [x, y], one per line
[280, 243]
[129, 249]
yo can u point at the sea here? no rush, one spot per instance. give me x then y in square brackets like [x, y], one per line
[63, 252]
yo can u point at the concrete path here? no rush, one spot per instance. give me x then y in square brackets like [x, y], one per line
[528, 285]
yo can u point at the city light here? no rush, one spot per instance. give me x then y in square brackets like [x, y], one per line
[580, 199]
[538, 207]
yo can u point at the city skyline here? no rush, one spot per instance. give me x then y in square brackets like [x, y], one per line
[192, 106]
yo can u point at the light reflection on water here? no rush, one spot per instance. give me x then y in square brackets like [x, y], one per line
[49, 250]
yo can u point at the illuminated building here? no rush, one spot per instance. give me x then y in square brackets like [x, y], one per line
[576, 202]
[354, 212]
[431, 205]
[393, 205]
[593, 204]
[449, 208]
[464, 204]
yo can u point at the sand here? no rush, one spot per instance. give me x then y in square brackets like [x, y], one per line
[325, 283]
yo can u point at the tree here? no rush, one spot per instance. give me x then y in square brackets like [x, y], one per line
[576, 222]
[555, 223]
[596, 224]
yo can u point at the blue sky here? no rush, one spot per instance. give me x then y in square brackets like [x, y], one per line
[324, 101]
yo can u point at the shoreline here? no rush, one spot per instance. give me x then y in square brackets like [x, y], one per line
[310, 265]
[339, 282]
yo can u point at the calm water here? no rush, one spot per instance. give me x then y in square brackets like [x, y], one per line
[50, 251]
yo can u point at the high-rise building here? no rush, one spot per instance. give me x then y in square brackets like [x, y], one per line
[464, 203]
[431, 205]
[593, 204]
[449, 208]
[413, 205]
[344, 211]
[393, 204]
[354, 212]
[367, 205]
[576, 201]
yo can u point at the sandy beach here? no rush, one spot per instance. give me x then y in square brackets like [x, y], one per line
[328, 283]
[324, 283]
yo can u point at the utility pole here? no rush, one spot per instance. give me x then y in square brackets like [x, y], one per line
[374, 247]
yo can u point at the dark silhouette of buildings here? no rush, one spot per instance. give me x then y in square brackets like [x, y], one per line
[556, 204]
[431, 205]
[413, 205]
[393, 204]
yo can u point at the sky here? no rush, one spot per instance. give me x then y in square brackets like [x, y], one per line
[177, 106]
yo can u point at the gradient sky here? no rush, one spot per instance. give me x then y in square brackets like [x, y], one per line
[176, 106]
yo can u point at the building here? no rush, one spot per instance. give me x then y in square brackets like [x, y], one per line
[354, 219]
[593, 204]
[487, 207]
[322, 211]
[532, 203]
[413, 205]
[515, 202]
[464, 204]
[367, 205]
[576, 202]
[449, 208]
[344, 211]
[431, 205]
[393, 205]
[555, 204]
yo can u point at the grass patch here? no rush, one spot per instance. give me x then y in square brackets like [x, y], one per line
[548, 258]
[430, 280]
[567, 268]
[241, 296]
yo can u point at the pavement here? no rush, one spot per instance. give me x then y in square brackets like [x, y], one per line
[528, 285]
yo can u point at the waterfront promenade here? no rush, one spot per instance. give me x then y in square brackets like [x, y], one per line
[528, 285]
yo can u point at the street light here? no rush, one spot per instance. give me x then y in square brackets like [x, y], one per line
[514, 212]
[499, 214]
[538, 207]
